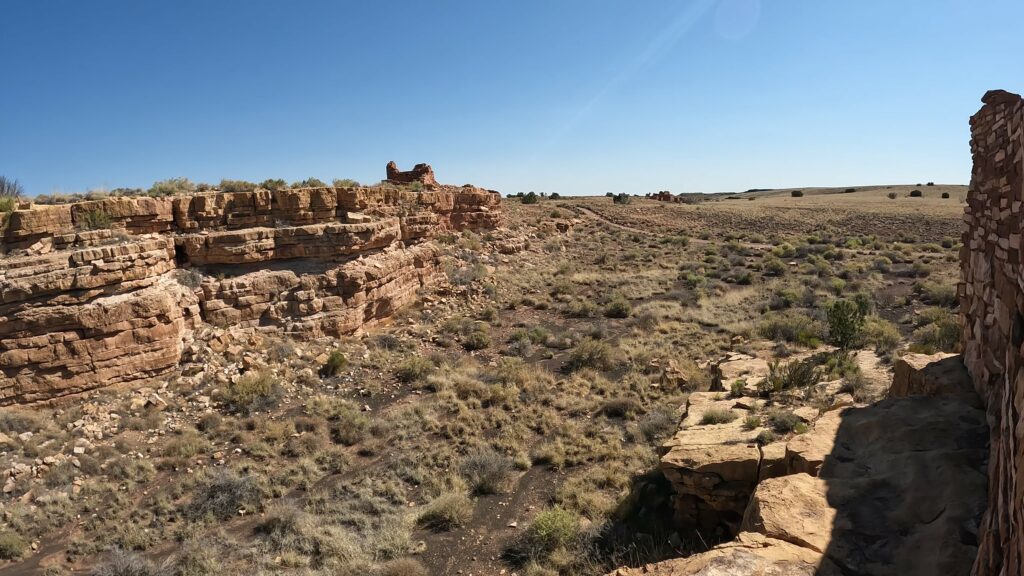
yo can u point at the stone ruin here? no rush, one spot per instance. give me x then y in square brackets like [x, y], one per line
[421, 173]
[109, 291]
[992, 313]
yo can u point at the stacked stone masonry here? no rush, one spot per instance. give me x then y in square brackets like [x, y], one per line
[992, 312]
[84, 308]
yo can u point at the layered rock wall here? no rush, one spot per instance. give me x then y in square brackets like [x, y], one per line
[106, 292]
[992, 312]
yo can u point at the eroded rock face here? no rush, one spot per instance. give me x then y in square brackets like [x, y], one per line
[992, 315]
[892, 488]
[84, 308]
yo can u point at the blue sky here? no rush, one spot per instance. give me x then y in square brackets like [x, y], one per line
[569, 96]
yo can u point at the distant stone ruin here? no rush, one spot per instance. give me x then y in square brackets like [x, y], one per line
[421, 173]
[992, 310]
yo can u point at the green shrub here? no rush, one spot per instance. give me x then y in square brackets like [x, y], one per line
[939, 332]
[12, 545]
[236, 186]
[881, 334]
[257, 390]
[656, 423]
[621, 198]
[550, 530]
[790, 326]
[487, 471]
[845, 321]
[97, 219]
[171, 187]
[945, 195]
[796, 193]
[766, 437]
[273, 184]
[751, 422]
[8, 204]
[781, 421]
[738, 388]
[591, 353]
[414, 369]
[221, 494]
[476, 339]
[717, 416]
[335, 364]
[619, 307]
[891, 195]
[937, 294]
[310, 183]
[794, 374]
[345, 183]
[915, 194]
[531, 198]
[446, 512]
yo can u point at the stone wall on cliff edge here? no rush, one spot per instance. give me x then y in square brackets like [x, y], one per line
[991, 296]
[82, 308]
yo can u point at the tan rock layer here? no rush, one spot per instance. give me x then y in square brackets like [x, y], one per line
[342, 300]
[992, 312]
[457, 208]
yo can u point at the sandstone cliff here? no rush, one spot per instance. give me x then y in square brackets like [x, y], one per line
[106, 292]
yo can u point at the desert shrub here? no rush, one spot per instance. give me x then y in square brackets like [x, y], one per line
[881, 334]
[591, 353]
[236, 186]
[336, 363]
[550, 530]
[403, 567]
[446, 512]
[751, 422]
[945, 195]
[781, 421]
[345, 183]
[273, 184]
[476, 339]
[580, 309]
[620, 408]
[621, 198]
[486, 471]
[891, 195]
[930, 184]
[656, 424]
[555, 196]
[531, 198]
[414, 369]
[171, 187]
[738, 388]
[717, 416]
[97, 219]
[766, 437]
[790, 326]
[845, 321]
[10, 188]
[309, 183]
[915, 193]
[124, 563]
[8, 204]
[185, 445]
[256, 390]
[289, 529]
[937, 293]
[619, 307]
[223, 493]
[797, 193]
[794, 374]
[939, 331]
[11, 545]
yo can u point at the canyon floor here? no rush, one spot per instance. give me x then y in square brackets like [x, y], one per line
[514, 419]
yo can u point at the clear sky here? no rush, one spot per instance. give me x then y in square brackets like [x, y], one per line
[569, 96]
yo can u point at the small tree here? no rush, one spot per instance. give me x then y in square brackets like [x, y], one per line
[845, 320]
[531, 198]
[915, 193]
[621, 198]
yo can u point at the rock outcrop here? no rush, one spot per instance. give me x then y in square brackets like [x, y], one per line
[992, 312]
[896, 487]
[421, 173]
[107, 291]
